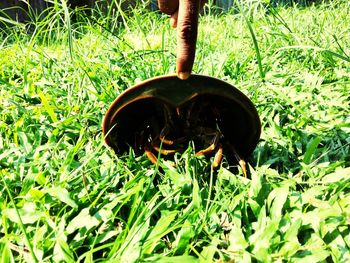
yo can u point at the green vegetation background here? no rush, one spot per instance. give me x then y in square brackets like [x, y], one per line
[67, 198]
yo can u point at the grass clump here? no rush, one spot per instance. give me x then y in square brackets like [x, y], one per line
[67, 197]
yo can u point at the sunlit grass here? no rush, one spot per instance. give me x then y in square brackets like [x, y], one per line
[67, 197]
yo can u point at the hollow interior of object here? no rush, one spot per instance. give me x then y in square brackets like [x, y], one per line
[136, 122]
[131, 123]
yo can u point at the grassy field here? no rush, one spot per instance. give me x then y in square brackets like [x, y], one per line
[66, 197]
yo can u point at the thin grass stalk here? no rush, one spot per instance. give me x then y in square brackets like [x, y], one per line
[139, 25]
[121, 12]
[69, 27]
[26, 237]
[262, 73]
[344, 56]
[137, 226]
[339, 46]
[330, 52]
[275, 14]
[4, 42]
[209, 193]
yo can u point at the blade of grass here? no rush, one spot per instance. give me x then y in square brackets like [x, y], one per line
[262, 72]
[26, 237]
[47, 106]
[69, 27]
[330, 52]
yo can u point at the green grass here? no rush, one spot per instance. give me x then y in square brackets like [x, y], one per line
[66, 197]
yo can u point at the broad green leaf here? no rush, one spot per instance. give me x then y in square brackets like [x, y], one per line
[40, 178]
[262, 253]
[176, 259]
[290, 248]
[295, 200]
[29, 214]
[132, 247]
[47, 106]
[262, 238]
[311, 148]
[89, 258]
[61, 194]
[6, 254]
[255, 207]
[106, 235]
[269, 232]
[62, 252]
[278, 198]
[83, 221]
[196, 200]
[237, 217]
[104, 214]
[312, 193]
[208, 253]
[159, 230]
[176, 178]
[339, 248]
[246, 258]
[339, 175]
[35, 193]
[317, 254]
[183, 238]
[255, 185]
[237, 239]
[293, 230]
[291, 245]
[25, 142]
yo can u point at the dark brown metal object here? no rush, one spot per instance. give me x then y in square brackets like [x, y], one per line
[141, 106]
